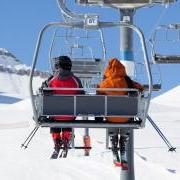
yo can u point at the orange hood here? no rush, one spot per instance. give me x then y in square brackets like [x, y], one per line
[115, 69]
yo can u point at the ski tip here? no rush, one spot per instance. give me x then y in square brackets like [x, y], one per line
[123, 166]
[117, 164]
[53, 157]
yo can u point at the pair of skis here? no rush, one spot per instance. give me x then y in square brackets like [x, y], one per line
[61, 152]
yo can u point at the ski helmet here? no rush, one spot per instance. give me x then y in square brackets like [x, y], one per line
[63, 62]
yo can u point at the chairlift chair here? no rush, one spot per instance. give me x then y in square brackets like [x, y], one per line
[103, 106]
[45, 106]
[158, 57]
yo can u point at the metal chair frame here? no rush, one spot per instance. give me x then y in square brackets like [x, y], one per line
[164, 58]
[145, 99]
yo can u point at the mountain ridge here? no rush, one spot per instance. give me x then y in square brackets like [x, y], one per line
[10, 64]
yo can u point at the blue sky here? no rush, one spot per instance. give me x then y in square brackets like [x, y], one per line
[22, 20]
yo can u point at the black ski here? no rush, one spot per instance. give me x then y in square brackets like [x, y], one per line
[124, 162]
[114, 143]
[63, 153]
[55, 154]
[116, 159]
[65, 149]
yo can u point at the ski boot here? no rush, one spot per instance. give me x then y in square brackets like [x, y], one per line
[87, 144]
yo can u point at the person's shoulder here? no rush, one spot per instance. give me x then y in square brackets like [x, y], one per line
[50, 77]
[78, 79]
[75, 76]
[105, 83]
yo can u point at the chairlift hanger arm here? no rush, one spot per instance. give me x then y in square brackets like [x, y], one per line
[67, 12]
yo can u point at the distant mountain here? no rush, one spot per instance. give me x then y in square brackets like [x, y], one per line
[7, 58]
[14, 76]
[10, 64]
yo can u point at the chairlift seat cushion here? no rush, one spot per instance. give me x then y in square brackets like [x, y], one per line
[58, 105]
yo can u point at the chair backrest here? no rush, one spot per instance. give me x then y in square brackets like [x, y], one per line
[96, 105]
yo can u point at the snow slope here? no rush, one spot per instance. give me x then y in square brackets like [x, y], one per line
[170, 98]
[14, 78]
[152, 159]
[14, 87]
[17, 84]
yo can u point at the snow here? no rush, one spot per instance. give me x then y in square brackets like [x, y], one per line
[8, 59]
[18, 84]
[152, 159]
[169, 98]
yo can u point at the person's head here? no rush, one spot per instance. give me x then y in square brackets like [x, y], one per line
[62, 62]
[114, 68]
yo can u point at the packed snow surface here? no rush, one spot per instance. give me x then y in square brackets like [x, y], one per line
[152, 159]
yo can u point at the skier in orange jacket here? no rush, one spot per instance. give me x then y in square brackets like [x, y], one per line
[115, 77]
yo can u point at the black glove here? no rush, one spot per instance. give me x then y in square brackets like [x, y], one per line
[45, 85]
[99, 119]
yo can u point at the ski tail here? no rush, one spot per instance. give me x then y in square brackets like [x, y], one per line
[65, 148]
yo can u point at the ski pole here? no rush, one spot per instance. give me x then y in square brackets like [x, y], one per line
[29, 138]
[171, 148]
[155, 126]
[162, 135]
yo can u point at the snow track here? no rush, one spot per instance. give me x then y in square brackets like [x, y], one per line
[152, 159]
